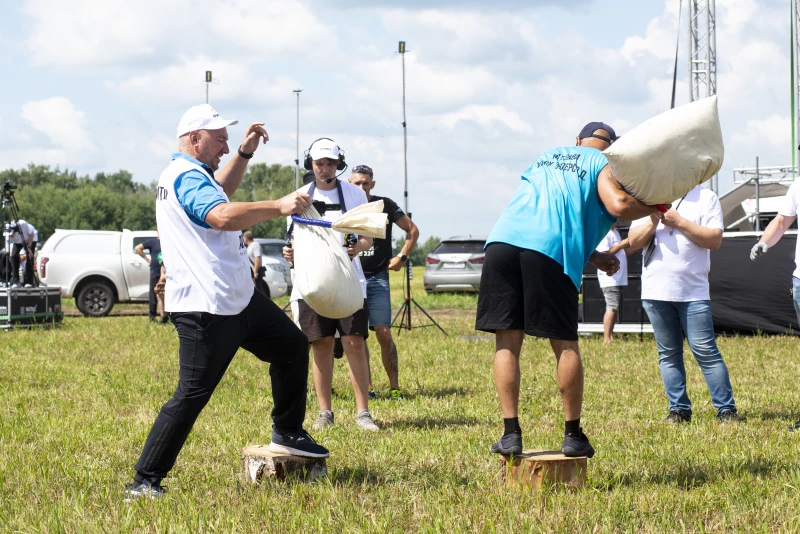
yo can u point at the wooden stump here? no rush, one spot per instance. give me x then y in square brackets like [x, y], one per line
[537, 469]
[259, 463]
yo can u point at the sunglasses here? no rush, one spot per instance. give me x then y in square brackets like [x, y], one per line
[362, 169]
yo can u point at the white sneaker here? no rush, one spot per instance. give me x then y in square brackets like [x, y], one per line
[364, 420]
[324, 420]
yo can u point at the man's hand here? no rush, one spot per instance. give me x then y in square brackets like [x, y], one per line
[160, 286]
[288, 255]
[294, 203]
[758, 250]
[254, 132]
[608, 263]
[395, 264]
[671, 218]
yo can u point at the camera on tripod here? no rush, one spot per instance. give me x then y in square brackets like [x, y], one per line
[8, 189]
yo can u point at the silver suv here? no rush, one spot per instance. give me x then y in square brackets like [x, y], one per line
[274, 249]
[455, 265]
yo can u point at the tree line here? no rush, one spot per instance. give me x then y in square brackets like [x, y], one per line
[51, 198]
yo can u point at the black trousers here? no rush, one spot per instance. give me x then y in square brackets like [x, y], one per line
[153, 298]
[207, 345]
[29, 275]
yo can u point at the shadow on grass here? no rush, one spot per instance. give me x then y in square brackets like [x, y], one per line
[438, 393]
[690, 476]
[357, 476]
[428, 422]
[788, 417]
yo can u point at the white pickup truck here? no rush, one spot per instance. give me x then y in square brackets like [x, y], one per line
[100, 268]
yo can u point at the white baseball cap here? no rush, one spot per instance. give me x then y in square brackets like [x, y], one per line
[202, 117]
[324, 148]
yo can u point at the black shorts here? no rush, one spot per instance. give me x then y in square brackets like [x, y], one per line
[315, 326]
[525, 290]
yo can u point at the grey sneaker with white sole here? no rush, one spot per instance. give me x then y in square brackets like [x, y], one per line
[364, 420]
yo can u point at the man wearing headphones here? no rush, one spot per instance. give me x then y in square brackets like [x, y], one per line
[324, 157]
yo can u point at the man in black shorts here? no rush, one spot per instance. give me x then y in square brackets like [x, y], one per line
[567, 201]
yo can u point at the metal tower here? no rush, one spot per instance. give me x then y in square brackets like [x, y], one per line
[702, 49]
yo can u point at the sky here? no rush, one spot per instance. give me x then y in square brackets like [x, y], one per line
[99, 85]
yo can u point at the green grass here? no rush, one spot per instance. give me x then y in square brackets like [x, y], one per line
[76, 404]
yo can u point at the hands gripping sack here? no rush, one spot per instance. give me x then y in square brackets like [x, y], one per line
[667, 156]
[324, 273]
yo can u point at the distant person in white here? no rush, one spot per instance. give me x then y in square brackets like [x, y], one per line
[675, 295]
[210, 295]
[611, 284]
[324, 157]
[254, 254]
[24, 237]
[772, 234]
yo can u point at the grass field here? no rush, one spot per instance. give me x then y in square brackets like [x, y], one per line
[76, 404]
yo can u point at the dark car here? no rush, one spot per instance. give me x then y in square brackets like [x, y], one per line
[455, 265]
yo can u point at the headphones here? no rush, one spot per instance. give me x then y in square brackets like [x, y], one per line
[307, 157]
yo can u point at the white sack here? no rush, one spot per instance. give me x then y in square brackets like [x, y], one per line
[323, 272]
[367, 220]
[667, 156]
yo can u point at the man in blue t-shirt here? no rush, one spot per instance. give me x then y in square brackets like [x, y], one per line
[566, 202]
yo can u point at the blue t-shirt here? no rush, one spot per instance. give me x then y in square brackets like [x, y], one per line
[195, 193]
[555, 210]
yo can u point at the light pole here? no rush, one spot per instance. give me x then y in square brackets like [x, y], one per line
[297, 157]
[209, 79]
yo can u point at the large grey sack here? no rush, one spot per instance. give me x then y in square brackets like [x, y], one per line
[667, 156]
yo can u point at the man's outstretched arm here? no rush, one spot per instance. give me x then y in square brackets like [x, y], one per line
[619, 203]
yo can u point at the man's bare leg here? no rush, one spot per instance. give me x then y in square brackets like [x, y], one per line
[354, 348]
[323, 370]
[609, 319]
[388, 355]
[570, 377]
[508, 344]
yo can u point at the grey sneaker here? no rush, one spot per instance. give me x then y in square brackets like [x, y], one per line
[324, 420]
[143, 490]
[364, 420]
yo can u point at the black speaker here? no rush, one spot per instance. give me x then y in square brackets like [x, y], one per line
[594, 303]
[631, 307]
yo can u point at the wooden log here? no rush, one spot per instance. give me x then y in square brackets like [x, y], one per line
[537, 469]
[258, 463]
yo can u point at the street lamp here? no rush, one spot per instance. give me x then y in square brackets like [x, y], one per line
[297, 156]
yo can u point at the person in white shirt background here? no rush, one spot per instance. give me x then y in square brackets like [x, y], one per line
[612, 284]
[772, 234]
[675, 295]
[325, 157]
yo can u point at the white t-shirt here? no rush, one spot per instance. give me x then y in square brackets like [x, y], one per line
[789, 209]
[678, 270]
[253, 252]
[25, 229]
[620, 278]
[353, 196]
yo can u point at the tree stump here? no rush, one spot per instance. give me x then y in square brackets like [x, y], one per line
[258, 463]
[537, 469]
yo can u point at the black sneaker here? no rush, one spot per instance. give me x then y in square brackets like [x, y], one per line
[678, 416]
[338, 349]
[371, 394]
[795, 427]
[510, 444]
[146, 489]
[577, 444]
[729, 416]
[297, 444]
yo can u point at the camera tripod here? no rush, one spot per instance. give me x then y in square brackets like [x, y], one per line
[405, 310]
[9, 211]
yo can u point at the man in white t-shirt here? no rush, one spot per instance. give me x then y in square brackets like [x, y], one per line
[611, 283]
[772, 234]
[254, 254]
[675, 295]
[324, 157]
[210, 295]
[24, 237]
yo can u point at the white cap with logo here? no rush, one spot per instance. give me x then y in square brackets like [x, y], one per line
[202, 117]
[324, 149]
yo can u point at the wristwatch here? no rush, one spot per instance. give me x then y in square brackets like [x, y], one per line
[402, 257]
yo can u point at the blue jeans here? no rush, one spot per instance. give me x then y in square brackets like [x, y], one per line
[670, 321]
[378, 300]
[796, 296]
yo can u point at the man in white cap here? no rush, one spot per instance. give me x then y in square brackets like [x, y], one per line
[210, 295]
[324, 157]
